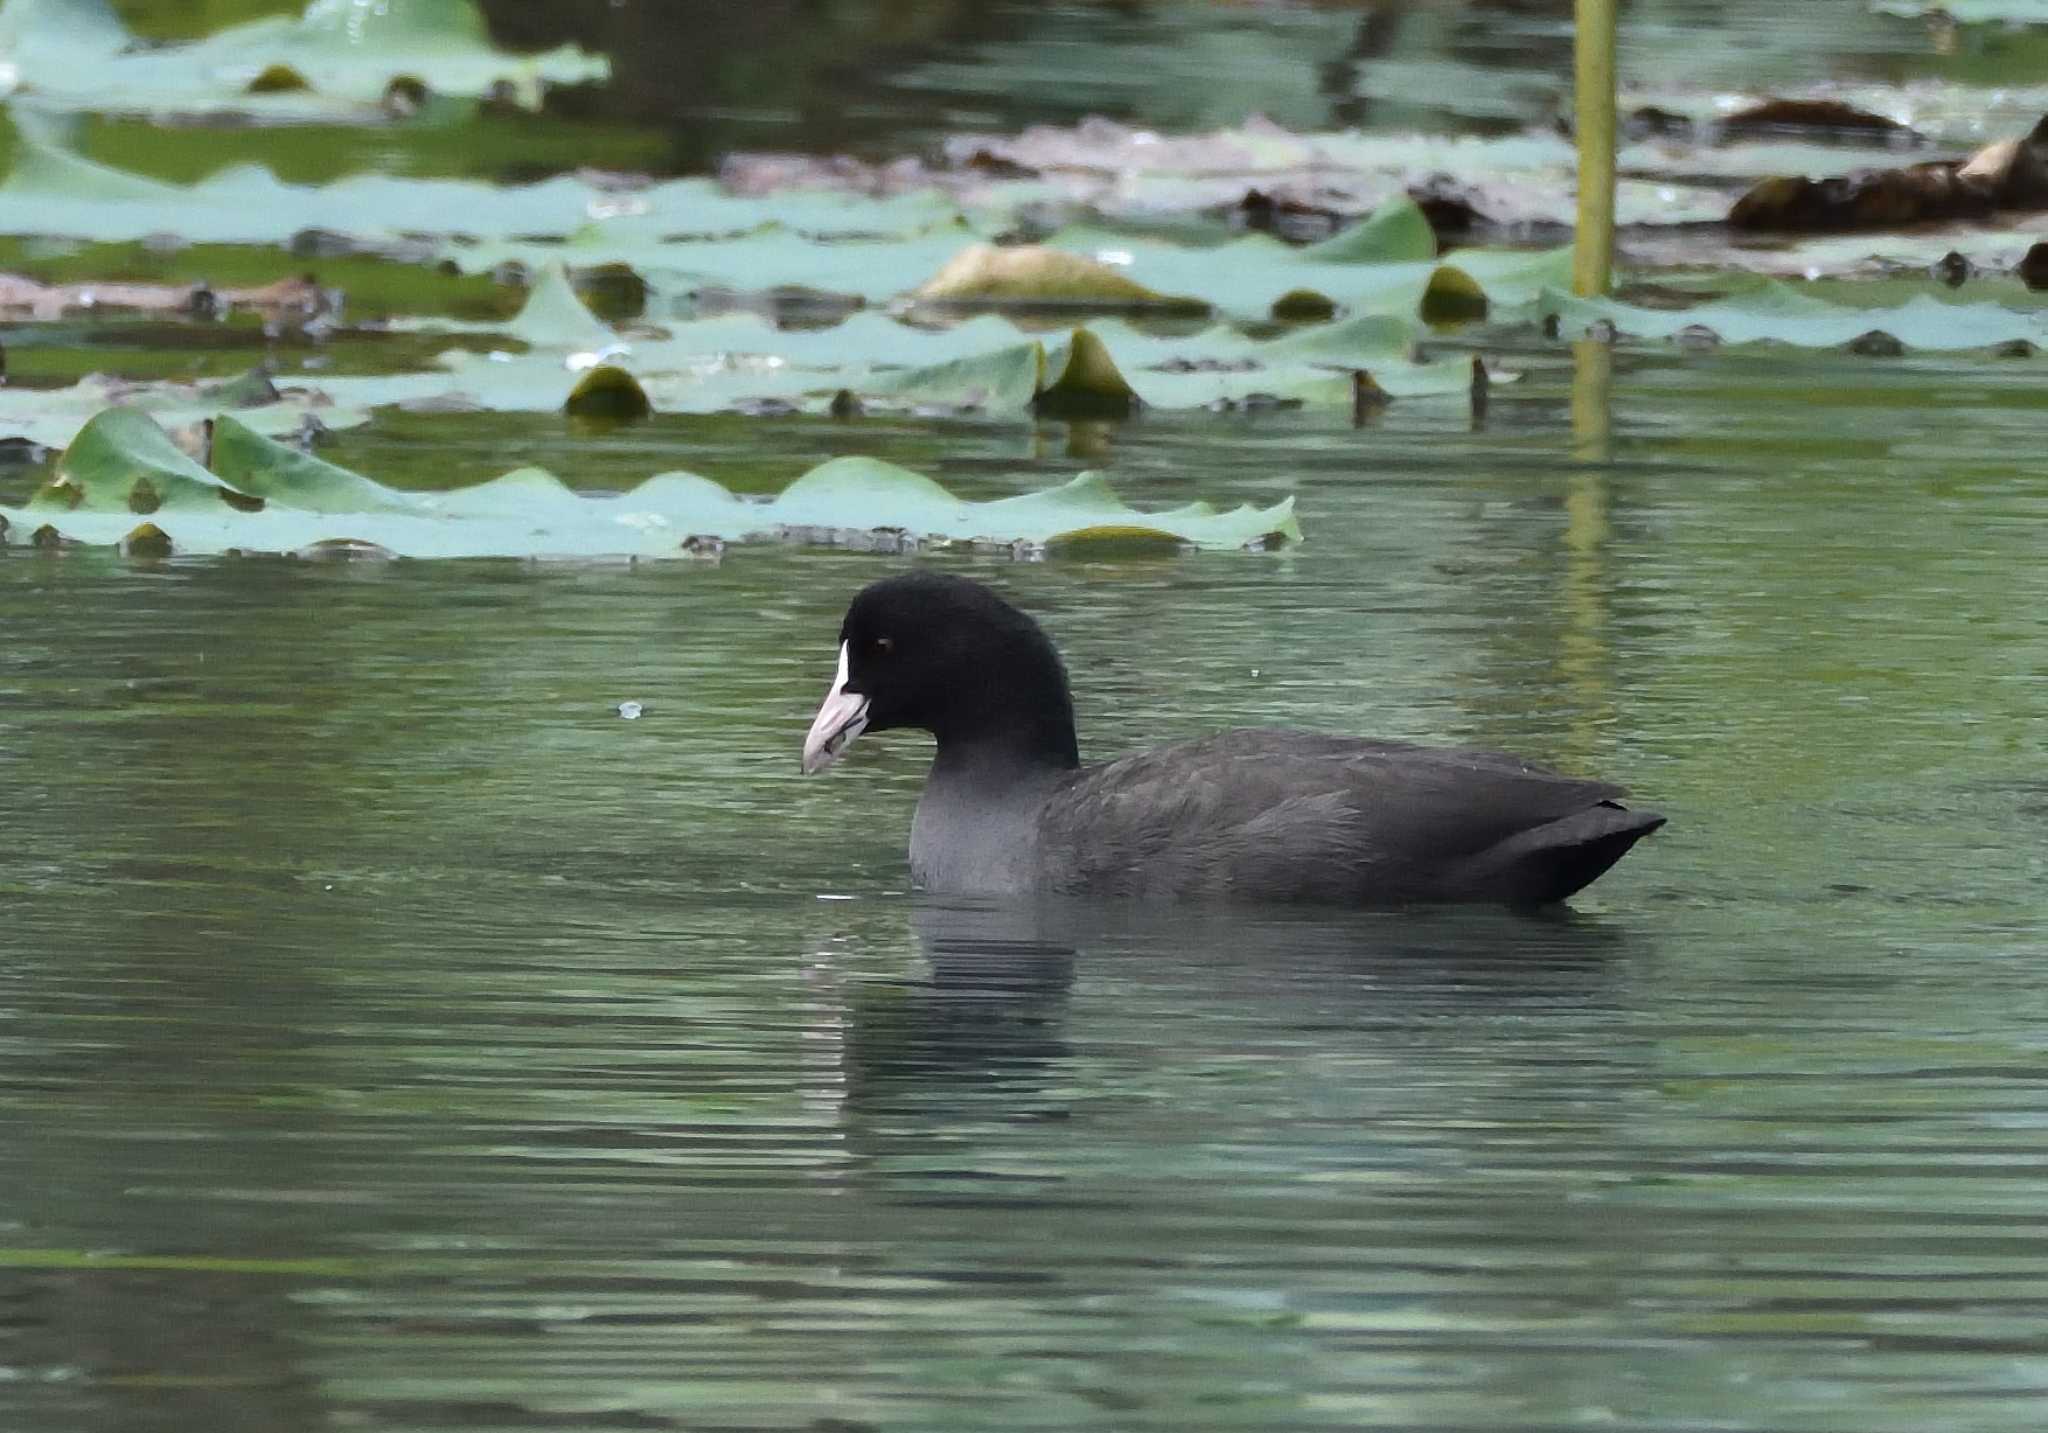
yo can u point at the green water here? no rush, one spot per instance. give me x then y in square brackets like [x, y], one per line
[395, 1038]
[392, 1037]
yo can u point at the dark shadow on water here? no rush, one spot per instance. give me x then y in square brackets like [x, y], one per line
[990, 1018]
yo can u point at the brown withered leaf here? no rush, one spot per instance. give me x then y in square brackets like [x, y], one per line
[1277, 210]
[2008, 174]
[1813, 119]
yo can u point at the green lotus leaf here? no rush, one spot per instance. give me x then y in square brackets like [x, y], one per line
[1089, 384]
[1452, 296]
[1396, 232]
[1969, 12]
[609, 395]
[346, 50]
[282, 501]
[277, 80]
[122, 462]
[146, 540]
[689, 230]
[554, 317]
[260, 467]
[45, 170]
[1004, 379]
[54, 417]
[48, 34]
[719, 364]
[1779, 312]
[1303, 305]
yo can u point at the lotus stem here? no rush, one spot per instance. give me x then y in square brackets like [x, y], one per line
[1593, 52]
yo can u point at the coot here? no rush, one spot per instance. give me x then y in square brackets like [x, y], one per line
[1259, 815]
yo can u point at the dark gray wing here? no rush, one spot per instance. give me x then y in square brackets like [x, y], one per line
[1303, 816]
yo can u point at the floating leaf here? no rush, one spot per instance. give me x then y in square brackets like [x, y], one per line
[1303, 306]
[146, 540]
[1005, 379]
[1031, 274]
[609, 395]
[121, 462]
[253, 464]
[54, 417]
[1780, 312]
[1970, 12]
[554, 317]
[346, 49]
[1452, 296]
[1396, 232]
[277, 79]
[1089, 385]
[269, 498]
[738, 362]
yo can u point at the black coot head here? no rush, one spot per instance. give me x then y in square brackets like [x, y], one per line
[946, 655]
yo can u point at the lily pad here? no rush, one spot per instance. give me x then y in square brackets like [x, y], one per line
[738, 360]
[1970, 12]
[607, 395]
[53, 417]
[554, 317]
[1396, 232]
[1088, 386]
[121, 462]
[1773, 311]
[81, 198]
[345, 51]
[1004, 380]
[250, 463]
[265, 497]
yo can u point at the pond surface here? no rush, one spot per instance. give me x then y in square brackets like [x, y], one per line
[392, 1037]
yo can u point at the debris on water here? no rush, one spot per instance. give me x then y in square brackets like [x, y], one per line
[630, 711]
[1206, 365]
[310, 433]
[345, 549]
[1269, 403]
[766, 408]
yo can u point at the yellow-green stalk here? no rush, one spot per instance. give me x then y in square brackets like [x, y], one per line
[1593, 240]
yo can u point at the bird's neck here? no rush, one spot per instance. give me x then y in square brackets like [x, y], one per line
[976, 827]
[1012, 716]
[1007, 752]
